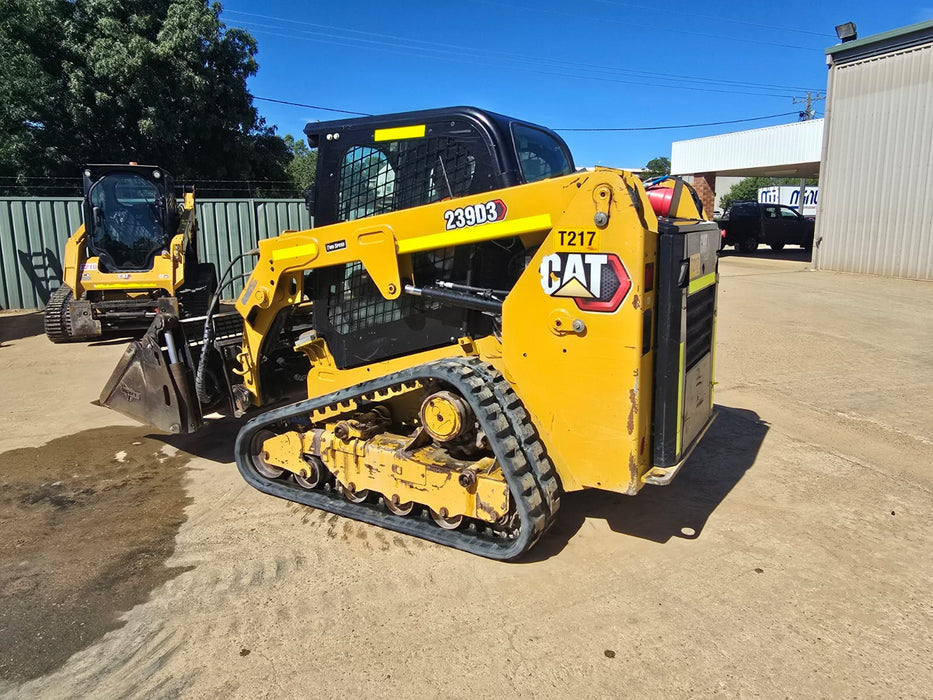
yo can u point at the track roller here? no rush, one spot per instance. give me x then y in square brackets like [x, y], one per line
[444, 522]
[393, 506]
[352, 495]
[317, 473]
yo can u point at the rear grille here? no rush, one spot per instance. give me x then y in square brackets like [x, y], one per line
[701, 308]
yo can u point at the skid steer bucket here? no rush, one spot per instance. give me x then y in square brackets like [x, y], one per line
[153, 384]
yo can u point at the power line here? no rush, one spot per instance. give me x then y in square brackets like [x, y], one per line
[37, 177]
[325, 109]
[670, 10]
[683, 126]
[498, 5]
[396, 44]
[458, 57]
[626, 128]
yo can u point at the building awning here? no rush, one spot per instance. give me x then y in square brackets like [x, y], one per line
[788, 150]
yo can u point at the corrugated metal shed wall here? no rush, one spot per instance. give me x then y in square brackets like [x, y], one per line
[876, 184]
[33, 232]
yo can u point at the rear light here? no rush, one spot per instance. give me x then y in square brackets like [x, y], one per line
[722, 232]
[649, 277]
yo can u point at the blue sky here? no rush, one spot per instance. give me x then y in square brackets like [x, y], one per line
[588, 64]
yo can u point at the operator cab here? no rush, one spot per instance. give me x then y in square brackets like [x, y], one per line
[377, 165]
[129, 215]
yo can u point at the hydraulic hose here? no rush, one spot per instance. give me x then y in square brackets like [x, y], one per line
[207, 339]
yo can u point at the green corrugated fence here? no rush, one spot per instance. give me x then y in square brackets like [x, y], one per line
[33, 231]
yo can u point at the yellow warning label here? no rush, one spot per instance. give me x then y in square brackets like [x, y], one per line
[400, 132]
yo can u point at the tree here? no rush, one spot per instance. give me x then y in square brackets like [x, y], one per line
[747, 189]
[32, 54]
[303, 164]
[656, 167]
[157, 81]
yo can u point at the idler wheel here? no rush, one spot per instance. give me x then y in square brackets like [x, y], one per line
[261, 457]
[352, 495]
[444, 521]
[316, 473]
[393, 506]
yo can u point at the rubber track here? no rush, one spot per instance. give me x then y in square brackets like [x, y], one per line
[56, 320]
[520, 454]
[542, 467]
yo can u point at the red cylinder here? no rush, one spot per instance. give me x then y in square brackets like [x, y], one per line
[660, 198]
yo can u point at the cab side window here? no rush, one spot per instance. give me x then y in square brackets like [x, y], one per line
[539, 154]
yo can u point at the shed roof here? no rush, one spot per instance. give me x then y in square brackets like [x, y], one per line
[877, 44]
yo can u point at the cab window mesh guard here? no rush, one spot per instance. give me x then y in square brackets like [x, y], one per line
[402, 174]
[356, 304]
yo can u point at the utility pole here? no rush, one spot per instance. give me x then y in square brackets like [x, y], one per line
[807, 113]
[805, 116]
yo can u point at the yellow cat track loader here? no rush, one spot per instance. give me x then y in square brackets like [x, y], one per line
[134, 256]
[472, 328]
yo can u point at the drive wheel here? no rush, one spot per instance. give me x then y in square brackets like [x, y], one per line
[260, 456]
[777, 247]
[749, 244]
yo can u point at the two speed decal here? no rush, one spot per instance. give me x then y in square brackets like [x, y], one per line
[475, 214]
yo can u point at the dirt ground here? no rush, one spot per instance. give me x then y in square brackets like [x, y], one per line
[101, 523]
[792, 556]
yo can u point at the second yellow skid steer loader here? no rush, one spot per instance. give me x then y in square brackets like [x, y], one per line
[472, 329]
[134, 255]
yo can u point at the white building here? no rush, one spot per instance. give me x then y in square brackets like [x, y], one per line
[873, 153]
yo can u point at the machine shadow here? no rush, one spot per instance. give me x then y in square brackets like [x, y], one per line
[27, 325]
[19, 326]
[43, 270]
[682, 509]
[214, 442]
[718, 463]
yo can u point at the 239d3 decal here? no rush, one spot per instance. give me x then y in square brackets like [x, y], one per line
[475, 214]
